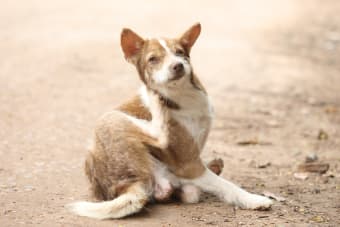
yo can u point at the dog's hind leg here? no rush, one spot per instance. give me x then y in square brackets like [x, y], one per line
[229, 192]
[190, 193]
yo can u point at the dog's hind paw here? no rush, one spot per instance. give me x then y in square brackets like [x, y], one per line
[255, 202]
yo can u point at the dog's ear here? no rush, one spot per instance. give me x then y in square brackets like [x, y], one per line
[188, 39]
[131, 44]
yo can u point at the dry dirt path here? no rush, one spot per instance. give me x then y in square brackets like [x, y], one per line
[272, 69]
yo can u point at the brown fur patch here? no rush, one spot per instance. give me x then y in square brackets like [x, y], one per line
[182, 156]
[145, 67]
[135, 107]
[119, 157]
[188, 39]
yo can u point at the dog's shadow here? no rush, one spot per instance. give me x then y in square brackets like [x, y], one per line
[152, 209]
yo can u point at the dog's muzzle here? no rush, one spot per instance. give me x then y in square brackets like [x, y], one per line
[177, 70]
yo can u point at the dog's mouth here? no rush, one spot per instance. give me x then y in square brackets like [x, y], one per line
[177, 76]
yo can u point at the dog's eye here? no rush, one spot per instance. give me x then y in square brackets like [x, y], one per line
[179, 52]
[153, 59]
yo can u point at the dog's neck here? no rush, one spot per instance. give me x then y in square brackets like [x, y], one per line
[188, 95]
[165, 101]
[188, 105]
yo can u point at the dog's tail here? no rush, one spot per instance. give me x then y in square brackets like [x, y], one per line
[132, 201]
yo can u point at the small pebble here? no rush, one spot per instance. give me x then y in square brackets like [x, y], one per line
[312, 157]
[316, 191]
[301, 176]
[28, 188]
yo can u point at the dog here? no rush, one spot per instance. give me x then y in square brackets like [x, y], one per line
[149, 147]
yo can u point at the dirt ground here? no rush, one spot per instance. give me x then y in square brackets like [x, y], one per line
[272, 69]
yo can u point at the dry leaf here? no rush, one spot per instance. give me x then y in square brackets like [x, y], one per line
[322, 135]
[248, 142]
[331, 110]
[252, 142]
[318, 219]
[314, 167]
[260, 165]
[263, 165]
[216, 166]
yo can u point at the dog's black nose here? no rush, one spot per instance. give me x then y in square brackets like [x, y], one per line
[177, 68]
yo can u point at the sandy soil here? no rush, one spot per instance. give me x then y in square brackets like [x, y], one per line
[272, 69]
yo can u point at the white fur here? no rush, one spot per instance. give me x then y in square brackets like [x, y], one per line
[165, 181]
[229, 192]
[161, 172]
[143, 94]
[155, 128]
[163, 44]
[124, 205]
[190, 194]
[195, 113]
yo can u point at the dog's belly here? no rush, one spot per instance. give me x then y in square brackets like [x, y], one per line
[164, 181]
[167, 186]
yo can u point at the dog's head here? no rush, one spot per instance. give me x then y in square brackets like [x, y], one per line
[161, 62]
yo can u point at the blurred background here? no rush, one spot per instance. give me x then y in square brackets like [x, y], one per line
[272, 69]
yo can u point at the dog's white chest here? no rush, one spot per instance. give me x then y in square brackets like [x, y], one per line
[195, 112]
[196, 117]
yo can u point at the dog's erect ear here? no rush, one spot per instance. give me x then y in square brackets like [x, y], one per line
[131, 44]
[188, 39]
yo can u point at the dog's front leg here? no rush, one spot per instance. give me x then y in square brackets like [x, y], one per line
[227, 191]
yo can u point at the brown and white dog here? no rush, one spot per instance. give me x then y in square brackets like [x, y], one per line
[150, 146]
